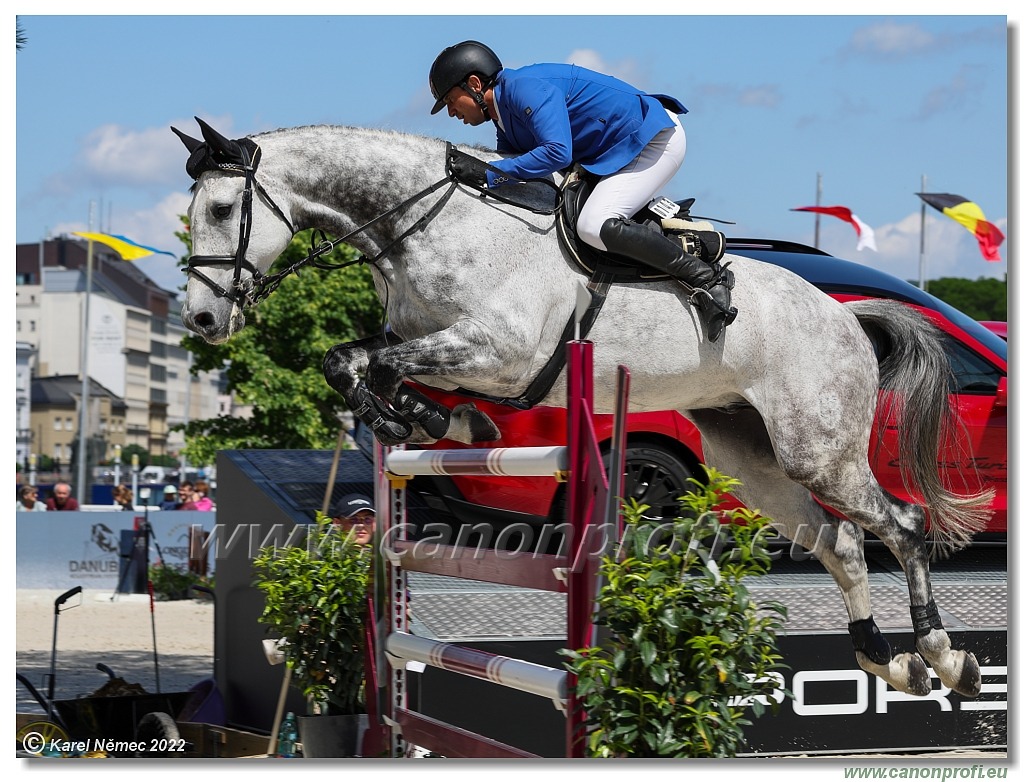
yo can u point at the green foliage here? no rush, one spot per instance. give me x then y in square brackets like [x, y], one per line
[275, 363]
[130, 450]
[687, 651]
[315, 600]
[44, 463]
[173, 582]
[981, 299]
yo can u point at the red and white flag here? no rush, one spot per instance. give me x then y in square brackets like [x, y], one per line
[865, 234]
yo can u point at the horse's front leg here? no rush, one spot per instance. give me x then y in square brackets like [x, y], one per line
[447, 354]
[343, 366]
[404, 416]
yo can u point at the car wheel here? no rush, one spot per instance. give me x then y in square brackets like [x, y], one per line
[656, 477]
[653, 476]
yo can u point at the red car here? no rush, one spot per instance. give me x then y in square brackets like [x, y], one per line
[997, 327]
[664, 448]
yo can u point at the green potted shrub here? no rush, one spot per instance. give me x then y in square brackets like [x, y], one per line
[315, 599]
[684, 651]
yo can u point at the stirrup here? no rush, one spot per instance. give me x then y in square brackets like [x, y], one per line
[701, 296]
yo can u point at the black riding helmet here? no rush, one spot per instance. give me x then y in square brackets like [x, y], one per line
[455, 64]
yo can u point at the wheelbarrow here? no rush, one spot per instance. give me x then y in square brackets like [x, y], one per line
[129, 725]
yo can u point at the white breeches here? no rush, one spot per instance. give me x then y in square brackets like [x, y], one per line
[623, 193]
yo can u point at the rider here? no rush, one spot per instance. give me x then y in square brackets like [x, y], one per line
[551, 115]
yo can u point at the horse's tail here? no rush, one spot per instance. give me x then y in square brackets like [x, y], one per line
[914, 367]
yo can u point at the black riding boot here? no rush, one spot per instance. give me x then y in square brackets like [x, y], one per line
[710, 283]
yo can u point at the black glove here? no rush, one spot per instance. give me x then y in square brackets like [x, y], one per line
[469, 170]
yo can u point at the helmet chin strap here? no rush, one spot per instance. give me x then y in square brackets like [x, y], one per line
[479, 98]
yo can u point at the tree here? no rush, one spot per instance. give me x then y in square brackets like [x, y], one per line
[981, 299]
[274, 363]
[132, 450]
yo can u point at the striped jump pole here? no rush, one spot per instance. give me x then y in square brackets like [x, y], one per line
[540, 461]
[507, 671]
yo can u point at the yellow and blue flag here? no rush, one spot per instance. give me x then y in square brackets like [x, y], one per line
[125, 247]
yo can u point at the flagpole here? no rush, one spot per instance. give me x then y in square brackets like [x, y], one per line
[920, 263]
[83, 414]
[817, 216]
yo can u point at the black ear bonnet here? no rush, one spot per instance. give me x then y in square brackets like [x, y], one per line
[218, 153]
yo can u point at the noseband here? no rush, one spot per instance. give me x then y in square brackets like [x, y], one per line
[244, 294]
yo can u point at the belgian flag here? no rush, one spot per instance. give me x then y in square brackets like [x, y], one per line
[970, 216]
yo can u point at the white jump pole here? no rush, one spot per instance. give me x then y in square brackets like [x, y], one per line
[538, 461]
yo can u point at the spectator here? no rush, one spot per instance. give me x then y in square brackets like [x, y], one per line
[123, 497]
[28, 499]
[170, 501]
[355, 515]
[200, 498]
[62, 499]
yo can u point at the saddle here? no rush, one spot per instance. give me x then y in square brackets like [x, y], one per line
[671, 218]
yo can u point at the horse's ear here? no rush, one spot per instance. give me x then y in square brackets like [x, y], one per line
[191, 144]
[215, 139]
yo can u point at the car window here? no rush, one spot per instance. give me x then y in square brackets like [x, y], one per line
[971, 373]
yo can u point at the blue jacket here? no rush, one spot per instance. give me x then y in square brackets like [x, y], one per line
[554, 115]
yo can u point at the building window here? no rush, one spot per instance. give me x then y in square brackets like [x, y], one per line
[32, 325]
[57, 424]
[67, 425]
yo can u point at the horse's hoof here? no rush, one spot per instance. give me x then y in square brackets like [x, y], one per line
[481, 429]
[919, 681]
[969, 684]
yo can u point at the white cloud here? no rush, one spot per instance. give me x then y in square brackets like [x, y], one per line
[891, 40]
[120, 156]
[627, 70]
[949, 251]
[763, 96]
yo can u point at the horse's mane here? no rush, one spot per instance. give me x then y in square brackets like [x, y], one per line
[375, 133]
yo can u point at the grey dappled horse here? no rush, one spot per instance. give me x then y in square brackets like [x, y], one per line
[480, 292]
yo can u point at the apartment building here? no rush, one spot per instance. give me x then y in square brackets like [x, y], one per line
[133, 351]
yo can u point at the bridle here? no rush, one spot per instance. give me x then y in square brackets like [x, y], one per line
[244, 294]
[257, 286]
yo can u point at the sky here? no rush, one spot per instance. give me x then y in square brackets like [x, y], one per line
[874, 108]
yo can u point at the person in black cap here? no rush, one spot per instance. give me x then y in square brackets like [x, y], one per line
[355, 513]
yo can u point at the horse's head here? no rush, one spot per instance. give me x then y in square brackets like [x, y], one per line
[236, 236]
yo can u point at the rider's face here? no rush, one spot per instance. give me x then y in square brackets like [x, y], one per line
[460, 104]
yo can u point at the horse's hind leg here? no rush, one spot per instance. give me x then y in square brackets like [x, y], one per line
[738, 445]
[900, 526]
[839, 475]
